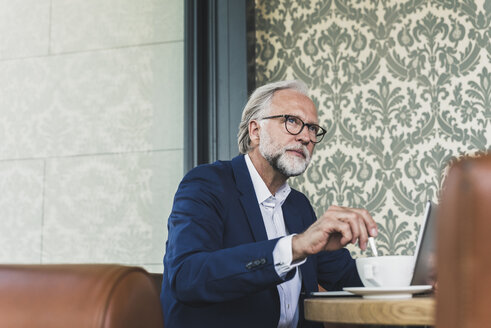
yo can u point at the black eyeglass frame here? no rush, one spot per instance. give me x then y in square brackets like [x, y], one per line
[319, 135]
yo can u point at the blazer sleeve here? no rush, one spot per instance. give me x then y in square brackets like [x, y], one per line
[336, 270]
[199, 269]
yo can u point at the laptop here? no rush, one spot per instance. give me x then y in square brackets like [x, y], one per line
[425, 254]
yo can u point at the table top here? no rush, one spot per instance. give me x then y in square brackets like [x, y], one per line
[355, 310]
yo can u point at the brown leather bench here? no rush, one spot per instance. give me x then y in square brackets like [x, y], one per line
[79, 295]
[464, 233]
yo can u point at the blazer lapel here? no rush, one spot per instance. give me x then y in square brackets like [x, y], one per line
[248, 198]
[293, 218]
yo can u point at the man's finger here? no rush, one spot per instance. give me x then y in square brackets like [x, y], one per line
[343, 229]
[371, 225]
[363, 239]
[353, 221]
[362, 223]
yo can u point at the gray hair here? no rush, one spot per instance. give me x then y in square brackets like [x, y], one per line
[259, 105]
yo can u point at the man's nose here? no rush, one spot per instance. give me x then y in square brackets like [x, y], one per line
[304, 136]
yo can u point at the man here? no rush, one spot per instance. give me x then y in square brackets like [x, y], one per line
[243, 246]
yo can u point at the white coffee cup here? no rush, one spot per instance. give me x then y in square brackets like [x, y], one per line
[386, 271]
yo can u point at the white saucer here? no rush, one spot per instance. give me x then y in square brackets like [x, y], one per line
[338, 293]
[388, 292]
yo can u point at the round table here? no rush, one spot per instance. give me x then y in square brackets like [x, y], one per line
[417, 311]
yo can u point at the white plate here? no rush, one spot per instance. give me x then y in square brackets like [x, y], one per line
[331, 294]
[388, 292]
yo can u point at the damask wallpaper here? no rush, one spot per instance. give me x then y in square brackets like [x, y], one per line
[402, 87]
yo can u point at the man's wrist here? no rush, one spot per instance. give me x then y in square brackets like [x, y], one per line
[282, 256]
[297, 251]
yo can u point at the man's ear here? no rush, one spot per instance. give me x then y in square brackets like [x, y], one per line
[254, 132]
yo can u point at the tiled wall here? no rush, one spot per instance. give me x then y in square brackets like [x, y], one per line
[91, 119]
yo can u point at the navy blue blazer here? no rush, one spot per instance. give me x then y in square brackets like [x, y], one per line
[218, 265]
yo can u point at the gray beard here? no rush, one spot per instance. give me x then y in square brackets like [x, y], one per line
[279, 160]
[279, 163]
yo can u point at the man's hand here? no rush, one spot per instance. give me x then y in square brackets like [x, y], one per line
[337, 227]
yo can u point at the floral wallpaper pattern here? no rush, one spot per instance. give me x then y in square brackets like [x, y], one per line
[402, 88]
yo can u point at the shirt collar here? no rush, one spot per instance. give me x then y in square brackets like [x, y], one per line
[262, 191]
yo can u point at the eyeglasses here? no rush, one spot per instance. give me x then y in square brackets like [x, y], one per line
[295, 125]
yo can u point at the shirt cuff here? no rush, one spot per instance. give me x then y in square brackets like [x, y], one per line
[282, 256]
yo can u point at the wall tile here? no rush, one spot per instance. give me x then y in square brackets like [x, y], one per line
[21, 206]
[110, 208]
[79, 25]
[99, 102]
[24, 27]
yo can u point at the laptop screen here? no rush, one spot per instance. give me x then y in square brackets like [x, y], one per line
[425, 254]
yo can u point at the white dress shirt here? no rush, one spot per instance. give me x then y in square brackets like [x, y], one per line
[272, 213]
